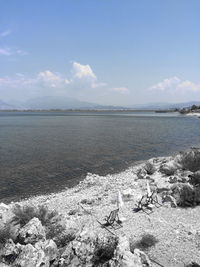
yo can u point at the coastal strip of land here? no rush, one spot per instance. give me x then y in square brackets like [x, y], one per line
[173, 223]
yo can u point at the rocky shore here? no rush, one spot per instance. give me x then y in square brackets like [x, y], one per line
[64, 229]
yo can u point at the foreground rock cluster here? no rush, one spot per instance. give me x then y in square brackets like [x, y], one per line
[177, 178]
[63, 230]
[29, 245]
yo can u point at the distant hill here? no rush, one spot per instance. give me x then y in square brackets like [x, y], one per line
[5, 106]
[58, 102]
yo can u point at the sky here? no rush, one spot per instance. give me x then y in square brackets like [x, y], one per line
[113, 52]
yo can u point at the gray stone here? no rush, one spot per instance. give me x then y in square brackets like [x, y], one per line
[32, 232]
[11, 250]
[73, 211]
[88, 201]
[141, 173]
[143, 257]
[31, 257]
[49, 247]
[81, 251]
[194, 178]
[184, 194]
[173, 180]
[4, 265]
[124, 258]
[168, 168]
[149, 167]
[5, 213]
[170, 199]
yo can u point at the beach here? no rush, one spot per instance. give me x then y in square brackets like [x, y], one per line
[87, 204]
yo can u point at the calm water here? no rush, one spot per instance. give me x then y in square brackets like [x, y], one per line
[45, 152]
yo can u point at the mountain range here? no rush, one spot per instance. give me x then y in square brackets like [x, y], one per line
[5, 106]
[54, 102]
[57, 102]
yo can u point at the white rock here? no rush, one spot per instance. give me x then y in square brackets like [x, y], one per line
[170, 199]
[81, 251]
[32, 232]
[4, 206]
[49, 247]
[143, 257]
[5, 213]
[31, 257]
[141, 173]
[128, 194]
[11, 249]
[124, 258]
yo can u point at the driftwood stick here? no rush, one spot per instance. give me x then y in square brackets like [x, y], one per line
[157, 262]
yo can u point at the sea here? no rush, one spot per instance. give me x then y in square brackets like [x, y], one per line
[45, 152]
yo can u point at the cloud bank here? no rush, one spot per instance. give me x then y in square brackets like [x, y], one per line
[175, 85]
[81, 83]
[174, 89]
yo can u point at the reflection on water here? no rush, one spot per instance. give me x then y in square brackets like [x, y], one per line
[45, 152]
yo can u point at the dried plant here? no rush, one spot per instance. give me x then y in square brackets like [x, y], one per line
[144, 243]
[150, 168]
[190, 160]
[5, 234]
[23, 214]
[104, 250]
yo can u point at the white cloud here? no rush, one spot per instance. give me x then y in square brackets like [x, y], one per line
[188, 86]
[175, 85]
[5, 33]
[49, 78]
[52, 79]
[5, 52]
[10, 51]
[82, 83]
[82, 71]
[166, 84]
[83, 76]
[18, 80]
[96, 85]
[122, 90]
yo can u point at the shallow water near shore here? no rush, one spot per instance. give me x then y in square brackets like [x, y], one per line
[43, 152]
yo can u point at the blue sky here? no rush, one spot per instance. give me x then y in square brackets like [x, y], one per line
[104, 51]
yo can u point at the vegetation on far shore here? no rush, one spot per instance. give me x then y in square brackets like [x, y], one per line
[185, 110]
[193, 108]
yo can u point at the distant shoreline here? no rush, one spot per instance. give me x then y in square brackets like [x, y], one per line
[78, 110]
